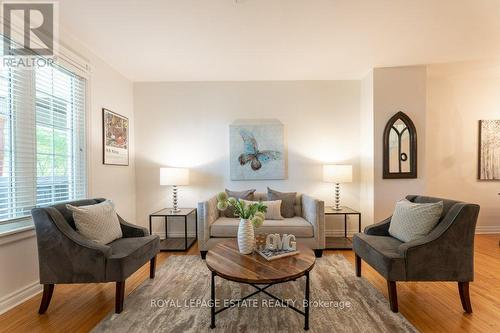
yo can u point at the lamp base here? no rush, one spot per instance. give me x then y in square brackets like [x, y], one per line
[337, 206]
[175, 208]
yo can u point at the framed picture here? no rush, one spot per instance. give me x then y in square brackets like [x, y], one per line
[489, 150]
[257, 150]
[115, 139]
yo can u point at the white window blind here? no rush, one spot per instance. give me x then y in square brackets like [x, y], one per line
[42, 139]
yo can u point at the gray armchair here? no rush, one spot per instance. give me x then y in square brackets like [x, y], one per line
[445, 254]
[65, 256]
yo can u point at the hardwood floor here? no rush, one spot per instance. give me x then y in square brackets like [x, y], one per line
[430, 306]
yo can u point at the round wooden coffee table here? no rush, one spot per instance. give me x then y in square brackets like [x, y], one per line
[224, 260]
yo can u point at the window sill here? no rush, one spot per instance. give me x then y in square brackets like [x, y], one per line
[9, 230]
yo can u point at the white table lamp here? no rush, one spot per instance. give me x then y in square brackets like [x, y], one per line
[337, 174]
[174, 177]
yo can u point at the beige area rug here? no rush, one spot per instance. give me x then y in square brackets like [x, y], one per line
[176, 301]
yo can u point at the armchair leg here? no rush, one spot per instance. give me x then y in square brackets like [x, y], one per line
[48, 290]
[120, 296]
[152, 268]
[463, 290]
[358, 265]
[393, 295]
[203, 254]
[318, 253]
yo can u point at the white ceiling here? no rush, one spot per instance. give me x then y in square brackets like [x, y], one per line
[172, 40]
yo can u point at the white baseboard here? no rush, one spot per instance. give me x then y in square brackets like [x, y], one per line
[488, 229]
[19, 296]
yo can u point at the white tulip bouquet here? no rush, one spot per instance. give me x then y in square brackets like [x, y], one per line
[254, 212]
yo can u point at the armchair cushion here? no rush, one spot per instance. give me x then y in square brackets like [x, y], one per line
[412, 221]
[68, 215]
[129, 254]
[98, 222]
[381, 252]
[298, 226]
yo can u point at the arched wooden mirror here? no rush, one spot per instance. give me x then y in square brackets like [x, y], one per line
[400, 147]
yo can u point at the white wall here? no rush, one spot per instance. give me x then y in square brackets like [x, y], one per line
[111, 90]
[367, 150]
[187, 124]
[18, 253]
[458, 96]
[397, 89]
[19, 272]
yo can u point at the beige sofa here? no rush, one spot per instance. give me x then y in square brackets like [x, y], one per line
[308, 224]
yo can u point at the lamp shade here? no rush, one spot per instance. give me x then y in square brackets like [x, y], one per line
[336, 173]
[174, 176]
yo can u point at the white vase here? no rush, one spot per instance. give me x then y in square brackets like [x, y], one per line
[246, 237]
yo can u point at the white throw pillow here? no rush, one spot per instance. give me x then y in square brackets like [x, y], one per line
[98, 222]
[273, 209]
[412, 221]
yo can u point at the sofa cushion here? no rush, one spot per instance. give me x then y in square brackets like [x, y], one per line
[287, 201]
[273, 209]
[381, 252]
[245, 195]
[129, 254]
[262, 196]
[298, 226]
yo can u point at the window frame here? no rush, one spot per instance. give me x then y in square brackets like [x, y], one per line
[86, 132]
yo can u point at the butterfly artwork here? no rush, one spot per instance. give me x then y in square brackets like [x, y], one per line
[253, 155]
[257, 150]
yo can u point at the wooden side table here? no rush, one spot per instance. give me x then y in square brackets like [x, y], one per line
[341, 243]
[176, 243]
